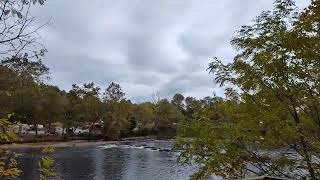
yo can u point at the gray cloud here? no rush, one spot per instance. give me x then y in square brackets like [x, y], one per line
[146, 46]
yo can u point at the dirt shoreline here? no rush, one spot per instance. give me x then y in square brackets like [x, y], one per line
[75, 143]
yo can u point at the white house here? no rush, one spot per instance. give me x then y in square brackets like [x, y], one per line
[81, 131]
[40, 128]
[21, 128]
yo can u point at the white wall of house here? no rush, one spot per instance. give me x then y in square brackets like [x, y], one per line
[59, 130]
[80, 131]
[40, 126]
[42, 131]
[24, 128]
[21, 128]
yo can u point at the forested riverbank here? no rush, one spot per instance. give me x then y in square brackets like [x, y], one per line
[36, 109]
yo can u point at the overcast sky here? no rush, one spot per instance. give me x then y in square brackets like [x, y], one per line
[146, 46]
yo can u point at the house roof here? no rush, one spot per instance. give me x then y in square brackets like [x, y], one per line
[57, 124]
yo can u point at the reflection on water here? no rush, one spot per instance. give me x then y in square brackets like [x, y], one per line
[135, 161]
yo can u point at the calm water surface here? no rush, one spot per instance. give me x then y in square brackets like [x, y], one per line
[134, 161]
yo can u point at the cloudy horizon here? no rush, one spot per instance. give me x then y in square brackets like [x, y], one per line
[145, 46]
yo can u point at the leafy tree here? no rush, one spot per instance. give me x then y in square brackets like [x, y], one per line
[91, 111]
[84, 107]
[19, 44]
[144, 116]
[167, 116]
[37, 104]
[27, 69]
[209, 101]
[113, 93]
[21, 93]
[192, 106]
[117, 121]
[118, 115]
[72, 100]
[18, 75]
[177, 101]
[46, 164]
[20, 51]
[89, 89]
[27, 105]
[274, 127]
[8, 79]
[207, 141]
[53, 105]
[19, 35]
[8, 163]
[5, 134]
[8, 84]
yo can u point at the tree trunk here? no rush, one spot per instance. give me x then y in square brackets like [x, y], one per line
[20, 130]
[306, 155]
[62, 133]
[90, 128]
[49, 127]
[36, 126]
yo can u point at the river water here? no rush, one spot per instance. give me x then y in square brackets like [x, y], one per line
[149, 160]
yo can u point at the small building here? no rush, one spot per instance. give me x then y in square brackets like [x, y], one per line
[20, 128]
[24, 128]
[57, 129]
[40, 129]
[81, 131]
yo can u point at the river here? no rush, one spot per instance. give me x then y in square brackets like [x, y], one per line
[144, 160]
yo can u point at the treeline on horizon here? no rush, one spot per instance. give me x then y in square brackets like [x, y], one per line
[24, 95]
